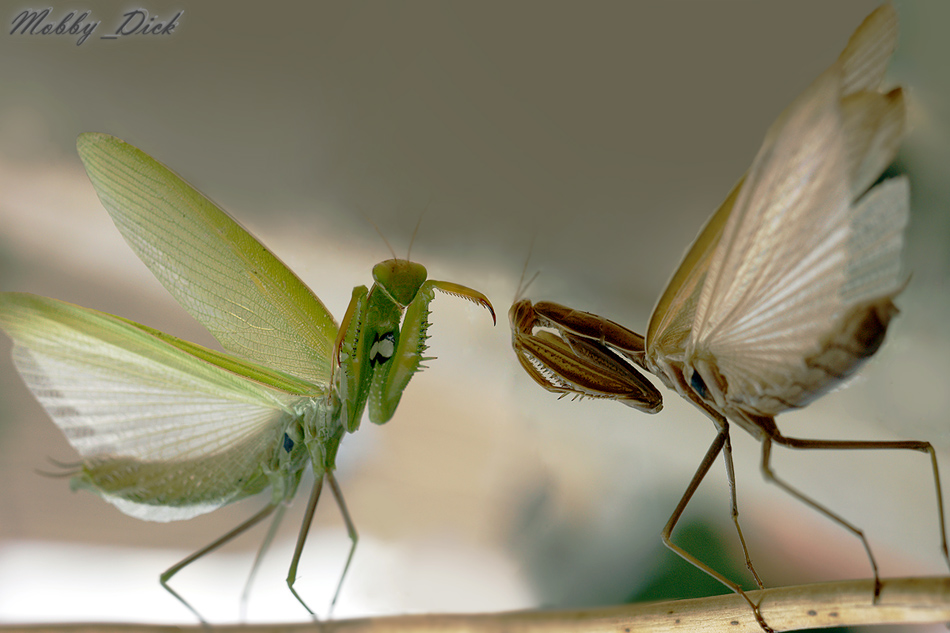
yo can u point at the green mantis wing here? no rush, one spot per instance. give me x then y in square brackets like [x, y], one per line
[167, 429]
[248, 299]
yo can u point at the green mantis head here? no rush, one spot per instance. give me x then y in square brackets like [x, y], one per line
[400, 279]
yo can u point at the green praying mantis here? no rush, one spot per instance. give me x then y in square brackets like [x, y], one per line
[168, 429]
[785, 293]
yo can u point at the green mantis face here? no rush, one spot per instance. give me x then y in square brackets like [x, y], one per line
[168, 429]
[400, 279]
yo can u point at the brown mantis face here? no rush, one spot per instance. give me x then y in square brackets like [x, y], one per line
[785, 293]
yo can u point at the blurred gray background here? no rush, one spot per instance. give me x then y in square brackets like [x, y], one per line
[606, 133]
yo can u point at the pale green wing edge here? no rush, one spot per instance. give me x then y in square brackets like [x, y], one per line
[248, 299]
[167, 429]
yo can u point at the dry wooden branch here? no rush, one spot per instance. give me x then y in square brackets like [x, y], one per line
[845, 603]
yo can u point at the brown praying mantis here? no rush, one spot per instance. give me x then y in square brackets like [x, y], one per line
[785, 293]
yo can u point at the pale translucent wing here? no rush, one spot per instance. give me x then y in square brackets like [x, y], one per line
[874, 126]
[864, 59]
[774, 278]
[798, 252]
[246, 297]
[672, 319]
[878, 221]
[874, 122]
[164, 435]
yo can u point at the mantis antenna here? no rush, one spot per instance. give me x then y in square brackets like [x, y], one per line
[523, 287]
